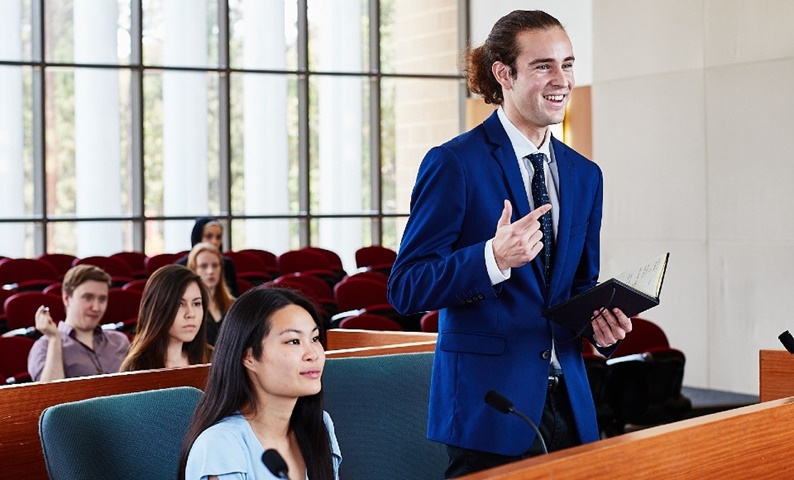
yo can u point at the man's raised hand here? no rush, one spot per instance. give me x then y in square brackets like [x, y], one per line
[518, 243]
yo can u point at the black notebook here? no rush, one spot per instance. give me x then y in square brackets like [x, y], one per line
[633, 291]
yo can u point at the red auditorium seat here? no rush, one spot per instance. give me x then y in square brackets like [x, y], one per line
[21, 308]
[14, 359]
[120, 273]
[27, 273]
[62, 262]
[368, 321]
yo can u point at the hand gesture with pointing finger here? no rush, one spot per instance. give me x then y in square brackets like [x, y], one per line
[518, 243]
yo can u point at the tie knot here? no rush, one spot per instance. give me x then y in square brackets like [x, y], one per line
[537, 159]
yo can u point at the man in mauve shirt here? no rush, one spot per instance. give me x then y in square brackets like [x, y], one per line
[78, 346]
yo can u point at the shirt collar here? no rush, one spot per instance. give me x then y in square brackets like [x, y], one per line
[521, 144]
[68, 330]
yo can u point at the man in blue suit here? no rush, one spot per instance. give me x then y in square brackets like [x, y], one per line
[475, 249]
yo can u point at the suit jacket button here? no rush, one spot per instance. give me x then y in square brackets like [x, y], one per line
[480, 296]
[546, 354]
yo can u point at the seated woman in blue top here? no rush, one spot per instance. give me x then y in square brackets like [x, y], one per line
[264, 392]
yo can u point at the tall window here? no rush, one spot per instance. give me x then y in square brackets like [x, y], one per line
[296, 122]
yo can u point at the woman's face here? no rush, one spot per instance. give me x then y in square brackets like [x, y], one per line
[212, 234]
[292, 359]
[189, 316]
[208, 267]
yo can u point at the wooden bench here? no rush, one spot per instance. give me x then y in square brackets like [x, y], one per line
[21, 405]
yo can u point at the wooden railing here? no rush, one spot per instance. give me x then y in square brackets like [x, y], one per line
[21, 405]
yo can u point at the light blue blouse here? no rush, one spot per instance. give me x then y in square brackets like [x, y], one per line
[230, 450]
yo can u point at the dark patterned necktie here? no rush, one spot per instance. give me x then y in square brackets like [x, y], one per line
[540, 196]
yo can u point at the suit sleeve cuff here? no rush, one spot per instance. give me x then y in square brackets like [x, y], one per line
[496, 275]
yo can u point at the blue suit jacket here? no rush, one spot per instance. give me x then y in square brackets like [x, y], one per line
[494, 337]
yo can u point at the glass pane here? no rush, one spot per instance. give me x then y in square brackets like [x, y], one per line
[87, 122]
[338, 35]
[408, 27]
[341, 235]
[181, 152]
[157, 232]
[87, 31]
[85, 239]
[393, 228]
[15, 30]
[417, 114]
[16, 146]
[339, 142]
[264, 139]
[17, 240]
[274, 235]
[263, 35]
[180, 33]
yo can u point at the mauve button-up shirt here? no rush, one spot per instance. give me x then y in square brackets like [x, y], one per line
[110, 349]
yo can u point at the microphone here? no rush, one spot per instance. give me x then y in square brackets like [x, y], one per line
[273, 461]
[787, 340]
[500, 403]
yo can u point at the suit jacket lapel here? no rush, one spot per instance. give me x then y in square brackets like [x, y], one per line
[567, 193]
[505, 156]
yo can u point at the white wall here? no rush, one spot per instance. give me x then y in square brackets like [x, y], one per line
[692, 127]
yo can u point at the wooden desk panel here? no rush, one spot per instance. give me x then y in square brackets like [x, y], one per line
[748, 442]
[776, 375]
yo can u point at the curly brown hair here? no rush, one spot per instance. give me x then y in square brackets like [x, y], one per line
[501, 46]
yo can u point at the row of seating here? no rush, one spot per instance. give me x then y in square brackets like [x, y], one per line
[37, 273]
[129, 271]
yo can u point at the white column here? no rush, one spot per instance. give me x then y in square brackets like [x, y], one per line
[185, 177]
[341, 126]
[97, 128]
[12, 200]
[265, 148]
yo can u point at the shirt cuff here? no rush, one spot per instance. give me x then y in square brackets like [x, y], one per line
[496, 275]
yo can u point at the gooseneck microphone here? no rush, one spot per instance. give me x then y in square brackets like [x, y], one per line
[275, 463]
[787, 340]
[500, 403]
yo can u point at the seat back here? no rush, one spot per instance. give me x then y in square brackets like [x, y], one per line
[127, 436]
[370, 321]
[375, 255]
[119, 271]
[379, 408]
[62, 262]
[14, 357]
[160, 260]
[359, 292]
[644, 335]
[27, 273]
[135, 260]
[123, 305]
[21, 308]
[429, 321]
[645, 388]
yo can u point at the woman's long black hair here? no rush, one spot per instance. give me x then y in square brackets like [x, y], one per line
[229, 389]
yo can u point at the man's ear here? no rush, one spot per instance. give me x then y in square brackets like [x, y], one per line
[65, 298]
[502, 74]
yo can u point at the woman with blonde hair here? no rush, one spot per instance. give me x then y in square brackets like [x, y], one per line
[207, 261]
[170, 331]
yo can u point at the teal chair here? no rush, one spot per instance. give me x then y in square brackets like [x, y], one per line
[129, 436]
[379, 408]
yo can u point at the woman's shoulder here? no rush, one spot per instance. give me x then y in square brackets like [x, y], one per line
[227, 428]
[220, 449]
[335, 451]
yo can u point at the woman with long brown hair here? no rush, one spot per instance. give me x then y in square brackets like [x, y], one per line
[264, 392]
[171, 331]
